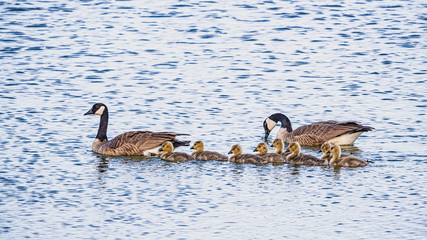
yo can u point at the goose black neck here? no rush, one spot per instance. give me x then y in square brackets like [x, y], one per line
[286, 123]
[103, 124]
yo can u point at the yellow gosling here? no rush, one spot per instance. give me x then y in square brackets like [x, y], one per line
[262, 148]
[201, 154]
[169, 155]
[280, 146]
[347, 161]
[296, 157]
[238, 157]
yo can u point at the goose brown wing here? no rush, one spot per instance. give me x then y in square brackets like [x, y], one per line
[143, 140]
[329, 129]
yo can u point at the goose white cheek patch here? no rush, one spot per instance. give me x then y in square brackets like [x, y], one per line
[270, 123]
[100, 111]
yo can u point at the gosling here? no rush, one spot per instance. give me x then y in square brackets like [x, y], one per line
[262, 148]
[280, 146]
[169, 155]
[347, 161]
[296, 157]
[325, 148]
[244, 158]
[200, 154]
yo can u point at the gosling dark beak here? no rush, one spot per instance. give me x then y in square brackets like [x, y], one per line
[319, 151]
[160, 149]
[255, 150]
[230, 152]
[192, 147]
[89, 112]
[271, 145]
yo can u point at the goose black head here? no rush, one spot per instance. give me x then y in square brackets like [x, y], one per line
[271, 122]
[97, 109]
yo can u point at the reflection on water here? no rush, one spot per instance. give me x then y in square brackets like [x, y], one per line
[215, 70]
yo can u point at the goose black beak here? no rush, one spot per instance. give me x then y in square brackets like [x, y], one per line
[267, 133]
[266, 130]
[88, 112]
[192, 147]
[160, 149]
[255, 150]
[230, 152]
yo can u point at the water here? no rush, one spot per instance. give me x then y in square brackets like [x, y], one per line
[214, 69]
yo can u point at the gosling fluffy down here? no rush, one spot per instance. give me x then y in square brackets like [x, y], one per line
[238, 157]
[347, 161]
[325, 148]
[280, 146]
[169, 155]
[296, 157]
[201, 154]
[262, 148]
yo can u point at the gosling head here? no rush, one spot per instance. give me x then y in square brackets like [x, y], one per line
[236, 150]
[326, 146]
[278, 143]
[167, 147]
[198, 146]
[335, 150]
[294, 147]
[97, 109]
[261, 148]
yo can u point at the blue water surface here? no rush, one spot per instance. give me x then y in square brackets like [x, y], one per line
[215, 70]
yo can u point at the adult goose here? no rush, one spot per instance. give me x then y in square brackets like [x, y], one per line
[315, 134]
[129, 143]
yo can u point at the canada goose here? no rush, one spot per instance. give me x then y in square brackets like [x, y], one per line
[315, 134]
[326, 146]
[296, 157]
[129, 143]
[280, 145]
[244, 158]
[348, 161]
[262, 148]
[206, 155]
[169, 155]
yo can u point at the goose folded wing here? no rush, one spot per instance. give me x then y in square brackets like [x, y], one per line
[328, 129]
[143, 140]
